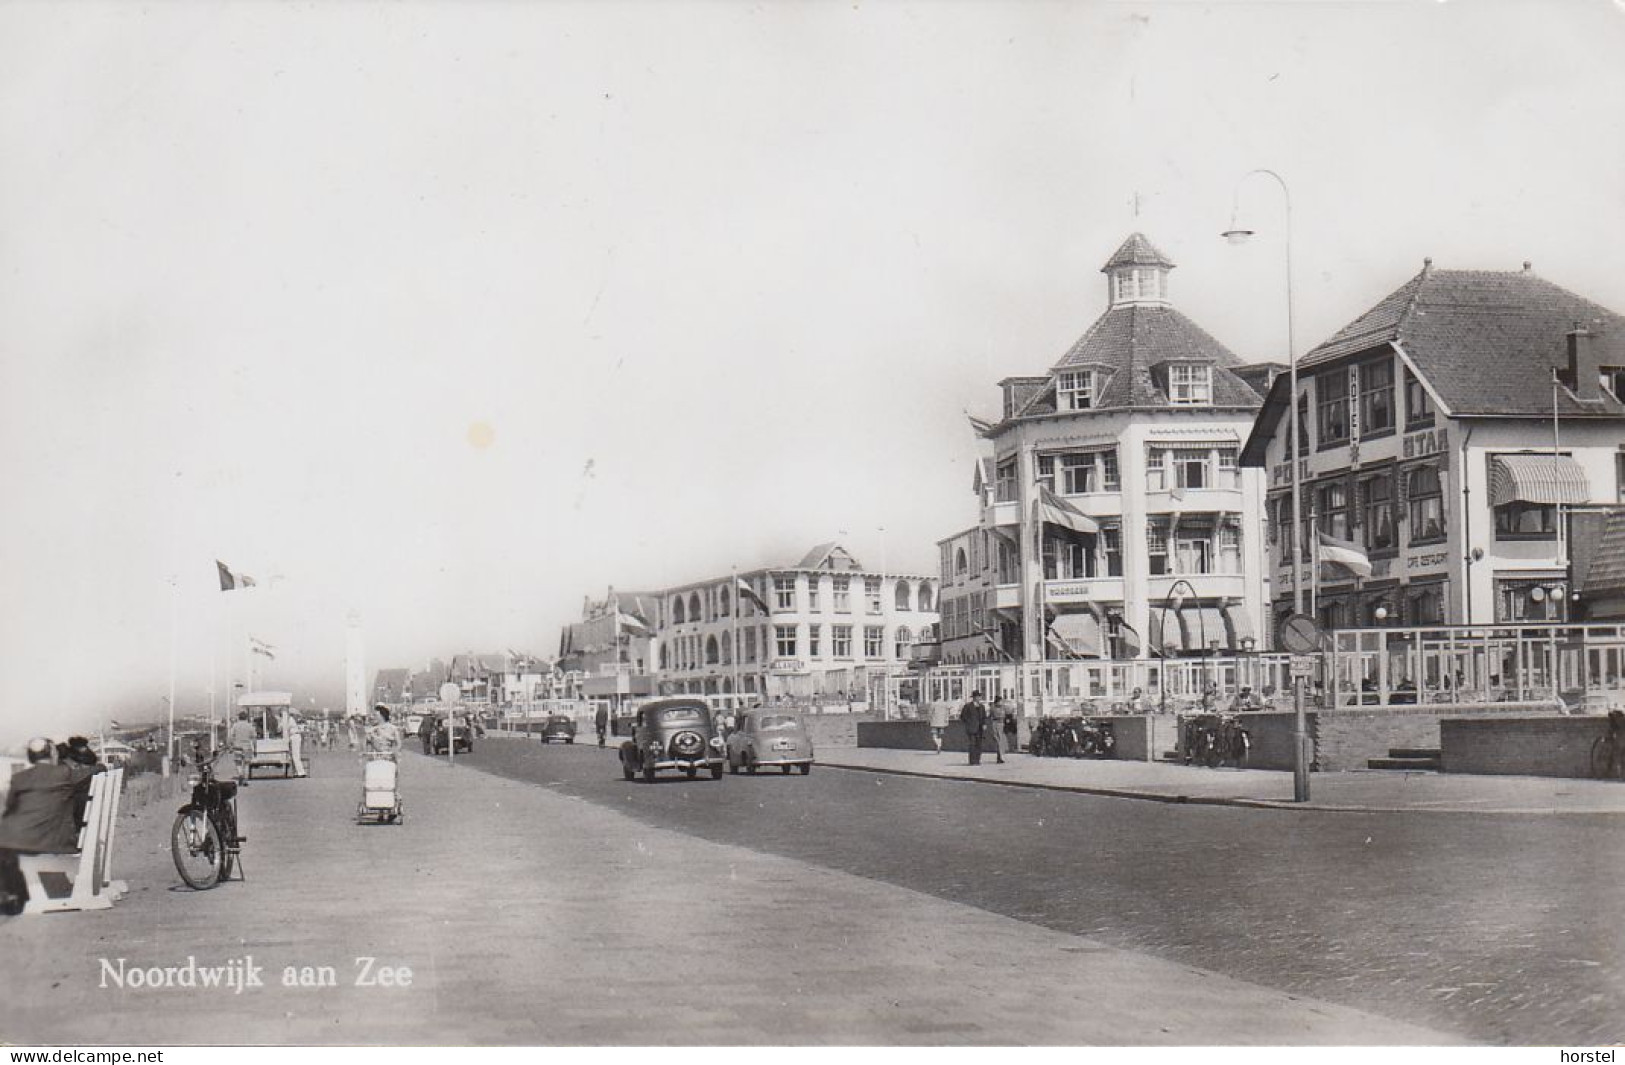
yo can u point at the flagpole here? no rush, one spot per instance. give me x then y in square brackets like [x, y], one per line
[1314, 565]
[174, 622]
[739, 696]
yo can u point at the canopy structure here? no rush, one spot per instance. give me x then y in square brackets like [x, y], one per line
[1540, 479]
[259, 699]
[1194, 629]
[1077, 634]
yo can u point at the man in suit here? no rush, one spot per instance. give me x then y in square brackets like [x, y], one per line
[973, 715]
[39, 816]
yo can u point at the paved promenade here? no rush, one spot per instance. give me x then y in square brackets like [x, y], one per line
[527, 916]
[1367, 791]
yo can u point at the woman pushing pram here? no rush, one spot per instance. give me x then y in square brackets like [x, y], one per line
[380, 771]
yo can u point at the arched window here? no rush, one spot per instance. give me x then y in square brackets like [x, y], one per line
[904, 640]
[928, 634]
[722, 601]
[678, 615]
[694, 613]
[711, 652]
[961, 563]
[665, 658]
[902, 595]
[925, 595]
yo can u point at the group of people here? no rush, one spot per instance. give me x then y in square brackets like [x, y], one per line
[44, 810]
[999, 723]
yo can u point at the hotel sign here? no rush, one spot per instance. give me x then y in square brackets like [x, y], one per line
[1068, 591]
[1431, 560]
[1427, 442]
[788, 665]
[1281, 472]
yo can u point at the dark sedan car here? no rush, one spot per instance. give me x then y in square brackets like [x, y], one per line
[436, 735]
[559, 727]
[768, 738]
[673, 734]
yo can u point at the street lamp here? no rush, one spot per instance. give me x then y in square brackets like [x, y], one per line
[1176, 599]
[1237, 235]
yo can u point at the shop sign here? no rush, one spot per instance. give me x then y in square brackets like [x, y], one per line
[1427, 442]
[1431, 560]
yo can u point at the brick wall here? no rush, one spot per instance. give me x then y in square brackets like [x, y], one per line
[900, 735]
[840, 730]
[1537, 746]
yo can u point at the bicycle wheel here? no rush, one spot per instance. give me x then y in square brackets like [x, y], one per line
[197, 848]
[1212, 753]
[227, 827]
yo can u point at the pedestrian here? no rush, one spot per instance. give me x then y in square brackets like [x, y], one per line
[1011, 725]
[1136, 702]
[600, 722]
[355, 732]
[973, 715]
[939, 722]
[997, 715]
[240, 738]
[293, 732]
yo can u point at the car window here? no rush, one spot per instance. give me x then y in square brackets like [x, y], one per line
[775, 722]
[678, 714]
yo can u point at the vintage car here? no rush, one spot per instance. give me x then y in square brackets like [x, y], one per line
[673, 734]
[559, 727]
[770, 738]
[435, 736]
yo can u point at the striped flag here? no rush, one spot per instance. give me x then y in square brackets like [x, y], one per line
[1345, 554]
[230, 581]
[747, 592]
[1057, 511]
[634, 624]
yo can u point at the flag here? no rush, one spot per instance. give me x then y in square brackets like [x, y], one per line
[1344, 553]
[634, 624]
[114, 724]
[262, 651]
[230, 581]
[255, 641]
[747, 592]
[978, 426]
[1057, 511]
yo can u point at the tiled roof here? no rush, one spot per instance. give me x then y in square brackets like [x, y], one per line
[820, 557]
[1606, 574]
[1486, 341]
[1128, 340]
[1136, 251]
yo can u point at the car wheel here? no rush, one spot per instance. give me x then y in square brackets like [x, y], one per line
[786, 769]
[806, 767]
[691, 772]
[750, 767]
[571, 739]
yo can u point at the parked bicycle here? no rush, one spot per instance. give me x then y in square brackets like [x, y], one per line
[1074, 737]
[204, 839]
[1608, 750]
[1214, 739]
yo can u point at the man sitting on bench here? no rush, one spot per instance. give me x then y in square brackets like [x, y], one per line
[39, 816]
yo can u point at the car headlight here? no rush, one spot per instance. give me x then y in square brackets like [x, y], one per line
[716, 741]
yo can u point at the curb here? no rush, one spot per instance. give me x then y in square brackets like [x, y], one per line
[1216, 800]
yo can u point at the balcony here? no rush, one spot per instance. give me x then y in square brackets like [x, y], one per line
[1207, 585]
[1002, 513]
[1007, 597]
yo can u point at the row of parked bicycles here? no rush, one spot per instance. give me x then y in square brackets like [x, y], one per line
[1072, 737]
[1213, 740]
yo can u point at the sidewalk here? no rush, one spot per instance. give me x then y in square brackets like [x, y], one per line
[1360, 791]
[530, 917]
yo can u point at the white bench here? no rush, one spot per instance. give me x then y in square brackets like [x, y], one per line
[90, 870]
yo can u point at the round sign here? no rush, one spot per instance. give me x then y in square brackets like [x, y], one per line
[1300, 635]
[449, 692]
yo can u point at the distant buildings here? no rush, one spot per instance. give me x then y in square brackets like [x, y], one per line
[1443, 435]
[609, 653]
[1113, 517]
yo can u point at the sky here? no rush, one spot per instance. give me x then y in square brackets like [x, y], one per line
[446, 316]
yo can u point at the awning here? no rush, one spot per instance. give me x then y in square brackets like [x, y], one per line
[1175, 641]
[1190, 629]
[1078, 634]
[1241, 626]
[1544, 479]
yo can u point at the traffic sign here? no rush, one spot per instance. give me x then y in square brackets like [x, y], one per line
[1300, 635]
[1303, 666]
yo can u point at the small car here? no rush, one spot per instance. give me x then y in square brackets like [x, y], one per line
[673, 734]
[559, 727]
[435, 740]
[770, 738]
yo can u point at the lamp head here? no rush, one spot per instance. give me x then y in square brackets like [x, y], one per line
[1236, 235]
[1176, 599]
[1381, 613]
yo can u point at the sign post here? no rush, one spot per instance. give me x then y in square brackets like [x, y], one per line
[1300, 636]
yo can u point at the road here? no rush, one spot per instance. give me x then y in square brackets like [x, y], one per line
[1502, 928]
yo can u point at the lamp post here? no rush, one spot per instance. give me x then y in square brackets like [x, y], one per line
[1237, 235]
[1176, 599]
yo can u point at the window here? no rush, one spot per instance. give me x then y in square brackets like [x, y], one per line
[1156, 546]
[1046, 472]
[842, 643]
[1066, 559]
[1227, 468]
[1004, 483]
[1194, 550]
[1190, 385]
[874, 641]
[1528, 601]
[1418, 404]
[784, 640]
[814, 583]
[712, 652]
[871, 594]
[1619, 476]
[961, 566]
[1525, 521]
[1425, 497]
[1077, 474]
[1075, 390]
[784, 593]
[815, 635]
[1124, 282]
[1427, 605]
[946, 565]
[1229, 547]
[1303, 427]
[925, 596]
[694, 606]
[903, 640]
[1108, 471]
[750, 644]
[1377, 512]
[1376, 398]
[1613, 379]
[1281, 510]
[679, 613]
[722, 602]
[1191, 468]
[1332, 508]
[843, 599]
[1111, 544]
[1332, 390]
[900, 593]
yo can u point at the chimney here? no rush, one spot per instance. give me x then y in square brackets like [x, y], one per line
[1584, 365]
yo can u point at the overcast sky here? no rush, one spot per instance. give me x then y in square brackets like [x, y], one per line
[450, 315]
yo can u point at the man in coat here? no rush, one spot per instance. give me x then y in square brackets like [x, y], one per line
[973, 715]
[600, 722]
[39, 816]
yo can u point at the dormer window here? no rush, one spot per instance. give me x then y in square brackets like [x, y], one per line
[1075, 390]
[1190, 384]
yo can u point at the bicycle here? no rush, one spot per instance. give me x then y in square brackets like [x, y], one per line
[1608, 750]
[204, 840]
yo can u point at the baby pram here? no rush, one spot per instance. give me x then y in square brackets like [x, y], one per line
[380, 795]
